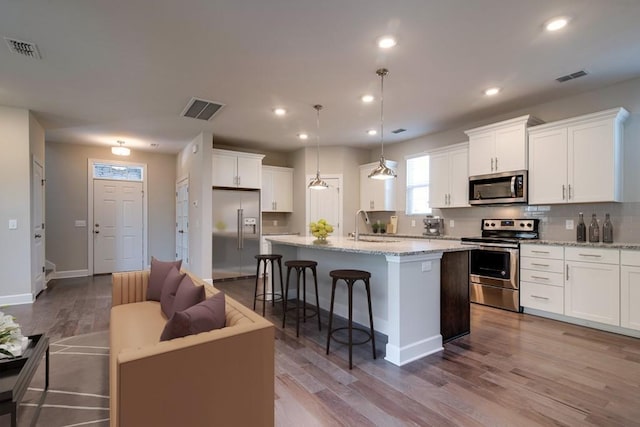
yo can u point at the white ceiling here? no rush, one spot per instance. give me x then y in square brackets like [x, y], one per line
[125, 69]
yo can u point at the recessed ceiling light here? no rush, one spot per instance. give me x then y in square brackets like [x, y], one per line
[279, 111]
[367, 98]
[303, 135]
[492, 91]
[372, 132]
[386, 42]
[557, 23]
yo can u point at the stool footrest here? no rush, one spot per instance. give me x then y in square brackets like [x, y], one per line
[362, 330]
[262, 297]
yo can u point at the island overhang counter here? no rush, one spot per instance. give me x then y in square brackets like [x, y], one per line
[405, 285]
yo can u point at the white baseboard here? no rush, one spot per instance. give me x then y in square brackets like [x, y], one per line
[70, 273]
[16, 299]
[582, 322]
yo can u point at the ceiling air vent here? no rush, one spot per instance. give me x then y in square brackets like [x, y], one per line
[201, 109]
[571, 76]
[23, 48]
[399, 130]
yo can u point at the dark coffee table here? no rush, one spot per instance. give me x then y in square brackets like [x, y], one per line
[16, 375]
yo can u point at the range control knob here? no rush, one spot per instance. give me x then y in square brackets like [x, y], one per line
[486, 224]
[522, 224]
[493, 224]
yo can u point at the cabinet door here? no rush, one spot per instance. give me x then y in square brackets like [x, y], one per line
[630, 297]
[592, 292]
[439, 180]
[366, 189]
[267, 198]
[591, 166]
[510, 149]
[249, 172]
[459, 178]
[282, 182]
[224, 170]
[548, 167]
[481, 153]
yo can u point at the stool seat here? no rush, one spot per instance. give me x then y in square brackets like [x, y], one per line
[350, 277]
[300, 263]
[300, 266]
[266, 259]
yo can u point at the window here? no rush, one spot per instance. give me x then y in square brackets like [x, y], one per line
[117, 171]
[418, 185]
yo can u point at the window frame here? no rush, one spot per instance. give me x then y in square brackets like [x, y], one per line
[409, 205]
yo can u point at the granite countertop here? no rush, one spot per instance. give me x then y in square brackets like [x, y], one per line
[281, 233]
[628, 246]
[377, 245]
[411, 236]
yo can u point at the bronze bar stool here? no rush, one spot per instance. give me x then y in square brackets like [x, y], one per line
[350, 277]
[268, 258]
[301, 267]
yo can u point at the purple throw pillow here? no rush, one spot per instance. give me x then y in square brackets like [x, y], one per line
[187, 296]
[203, 317]
[159, 271]
[169, 290]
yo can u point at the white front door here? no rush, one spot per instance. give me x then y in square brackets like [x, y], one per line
[117, 226]
[37, 225]
[325, 204]
[182, 222]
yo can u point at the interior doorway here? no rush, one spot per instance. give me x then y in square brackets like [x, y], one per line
[37, 228]
[118, 207]
[326, 203]
[182, 222]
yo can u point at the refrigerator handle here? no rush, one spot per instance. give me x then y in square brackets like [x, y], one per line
[240, 229]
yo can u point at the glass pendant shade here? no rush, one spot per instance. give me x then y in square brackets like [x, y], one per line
[382, 171]
[120, 150]
[317, 183]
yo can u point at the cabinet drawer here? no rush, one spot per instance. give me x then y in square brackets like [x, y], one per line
[542, 277]
[542, 251]
[603, 256]
[553, 265]
[542, 297]
[630, 258]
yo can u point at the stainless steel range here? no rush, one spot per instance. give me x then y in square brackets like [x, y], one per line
[494, 267]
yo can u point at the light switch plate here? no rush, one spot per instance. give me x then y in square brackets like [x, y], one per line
[452, 223]
[80, 223]
[413, 222]
[568, 224]
[13, 224]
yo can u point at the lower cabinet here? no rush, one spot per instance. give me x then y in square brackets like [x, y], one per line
[542, 278]
[592, 284]
[630, 289]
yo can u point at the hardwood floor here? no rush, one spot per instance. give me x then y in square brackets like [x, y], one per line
[513, 369]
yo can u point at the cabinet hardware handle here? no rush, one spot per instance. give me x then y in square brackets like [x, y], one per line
[540, 252]
[569, 192]
[539, 265]
[540, 277]
[591, 255]
[567, 272]
[496, 164]
[492, 164]
[563, 193]
[539, 297]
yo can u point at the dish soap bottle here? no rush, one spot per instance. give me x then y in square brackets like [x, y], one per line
[607, 230]
[594, 230]
[581, 230]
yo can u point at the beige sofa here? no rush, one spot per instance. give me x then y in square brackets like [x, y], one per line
[223, 377]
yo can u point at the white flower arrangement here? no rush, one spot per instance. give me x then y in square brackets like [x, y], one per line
[12, 343]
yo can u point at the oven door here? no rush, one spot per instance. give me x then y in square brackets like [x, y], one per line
[494, 266]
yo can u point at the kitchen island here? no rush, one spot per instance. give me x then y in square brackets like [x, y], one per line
[405, 285]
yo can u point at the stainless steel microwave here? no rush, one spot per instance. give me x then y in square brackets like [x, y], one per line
[498, 188]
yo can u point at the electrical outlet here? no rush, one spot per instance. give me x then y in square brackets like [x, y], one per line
[426, 266]
[568, 224]
[452, 223]
[275, 222]
[413, 222]
[13, 224]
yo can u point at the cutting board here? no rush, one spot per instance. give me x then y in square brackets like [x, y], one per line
[392, 227]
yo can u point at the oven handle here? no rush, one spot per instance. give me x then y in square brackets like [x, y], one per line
[513, 186]
[494, 246]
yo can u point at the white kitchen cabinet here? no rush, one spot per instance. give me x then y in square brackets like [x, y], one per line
[449, 177]
[542, 278]
[630, 289]
[277, 189]
[592, 284]
[577, 160]
[377, 194]
[236, 169]
[499, 147]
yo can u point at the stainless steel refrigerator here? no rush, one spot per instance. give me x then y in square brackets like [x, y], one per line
[236, 233]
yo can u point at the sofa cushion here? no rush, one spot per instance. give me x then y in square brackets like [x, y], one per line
[159, 271]
[187, 295]
[169, 290]
[203, 317]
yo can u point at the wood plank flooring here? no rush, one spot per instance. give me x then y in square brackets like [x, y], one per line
[513, 369]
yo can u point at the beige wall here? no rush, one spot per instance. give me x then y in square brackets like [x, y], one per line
[67, 201]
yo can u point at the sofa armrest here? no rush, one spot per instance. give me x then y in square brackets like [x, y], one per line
[129, 287]
[201, 380]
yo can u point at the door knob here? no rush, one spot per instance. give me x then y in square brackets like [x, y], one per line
[96, 231]
[180, 231]
[38, 236]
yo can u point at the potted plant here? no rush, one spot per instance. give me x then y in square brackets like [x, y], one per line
[375, 226]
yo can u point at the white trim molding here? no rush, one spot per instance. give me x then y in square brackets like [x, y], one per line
[70, 274]
[16, 299]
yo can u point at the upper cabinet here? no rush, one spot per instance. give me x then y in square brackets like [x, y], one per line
[376, 194]
[577, 160]
[277, 189]
[236, 169]
[449, 177]
[499, 147]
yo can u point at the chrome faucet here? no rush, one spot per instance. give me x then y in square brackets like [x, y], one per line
[356, 236]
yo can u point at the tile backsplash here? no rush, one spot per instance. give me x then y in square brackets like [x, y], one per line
[276, 222]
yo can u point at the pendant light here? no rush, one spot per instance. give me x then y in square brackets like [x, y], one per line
[120, 150]
[317, 183]
[382, 171]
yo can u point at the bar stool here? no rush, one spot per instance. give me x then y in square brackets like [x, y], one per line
[268, 258]
[301, 267]
[350, 277]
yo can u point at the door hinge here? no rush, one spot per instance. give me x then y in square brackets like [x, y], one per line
[43, 268]
[42, 181]
[43, 225]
